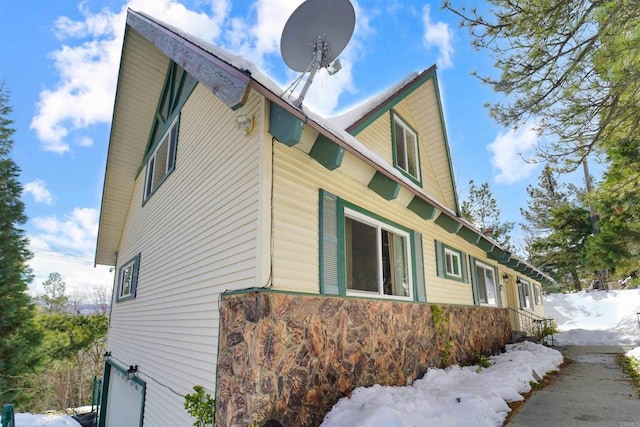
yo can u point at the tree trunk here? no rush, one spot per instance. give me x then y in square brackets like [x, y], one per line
[576, 280]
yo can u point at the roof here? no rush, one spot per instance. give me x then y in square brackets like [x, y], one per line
[230, 77]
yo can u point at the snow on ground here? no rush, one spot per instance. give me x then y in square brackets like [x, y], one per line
[456, 396]
[461, 396]
[473, 396]
[596, 317]
[40, 420]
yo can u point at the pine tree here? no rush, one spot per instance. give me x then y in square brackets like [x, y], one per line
[543, 199]
[55, 299]
[481, 209]
[18, 335]
[569, 65]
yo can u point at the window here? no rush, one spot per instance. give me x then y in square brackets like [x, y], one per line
[376, 257]
[537, 293]
[486, 277]
[524, 294]
[450, 263]
[162, 161]
[406, 155]
[128, 279]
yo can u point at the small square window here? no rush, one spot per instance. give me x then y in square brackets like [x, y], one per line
[405, 145]
[450, 263]
[128, 279]
[162, 160]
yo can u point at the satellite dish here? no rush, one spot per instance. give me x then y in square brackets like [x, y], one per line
[314, 35]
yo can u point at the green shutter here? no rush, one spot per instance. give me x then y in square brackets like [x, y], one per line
[474, 281]
[440, 268]
[329, 276]
[418, 258]
[496, 281]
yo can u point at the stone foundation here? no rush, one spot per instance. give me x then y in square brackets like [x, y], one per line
[290, 358]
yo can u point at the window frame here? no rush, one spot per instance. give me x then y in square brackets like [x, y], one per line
[134, 263]
[171, 136]
[524, 298]
[441, 264]
[537, 294]
[496, 286]
[379, 224]
[397, 118]
[453, 255]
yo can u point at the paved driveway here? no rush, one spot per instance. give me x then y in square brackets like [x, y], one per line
[592, 391]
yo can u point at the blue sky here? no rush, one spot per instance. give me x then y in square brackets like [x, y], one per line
[60, 61]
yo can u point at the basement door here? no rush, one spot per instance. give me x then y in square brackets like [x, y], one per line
[125, 400]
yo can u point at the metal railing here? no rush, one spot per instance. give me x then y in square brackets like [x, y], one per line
[532, 325]
[8, 416]
[96, 397]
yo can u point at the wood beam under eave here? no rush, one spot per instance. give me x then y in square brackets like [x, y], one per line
[447, 223]
[469, 235]
[485, 244]
[384, 186]
[421, 208]
[327, 153]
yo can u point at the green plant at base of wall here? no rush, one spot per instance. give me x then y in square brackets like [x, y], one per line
[200, 406]
[440, 323]
[446, 353]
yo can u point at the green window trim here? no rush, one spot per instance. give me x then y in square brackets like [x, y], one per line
[156, 173]
[477, 283]
[447, 270]
[333, 263]
[128, 279]
[404, 155]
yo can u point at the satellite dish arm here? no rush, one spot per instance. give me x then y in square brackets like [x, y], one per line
[318, 61]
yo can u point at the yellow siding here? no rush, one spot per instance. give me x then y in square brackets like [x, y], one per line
[198, 237]
[297, 181]
[420, 110]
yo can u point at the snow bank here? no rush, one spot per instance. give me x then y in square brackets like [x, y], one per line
[596, 318]
[39, 420]
[469, 396]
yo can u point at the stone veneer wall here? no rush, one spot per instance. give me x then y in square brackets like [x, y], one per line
[290, 357]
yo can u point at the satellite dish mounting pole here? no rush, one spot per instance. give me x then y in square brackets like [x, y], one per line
[320, 53]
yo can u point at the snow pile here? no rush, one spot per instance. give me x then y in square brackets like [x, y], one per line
[469, 396]
[596, 318]
[40, 420]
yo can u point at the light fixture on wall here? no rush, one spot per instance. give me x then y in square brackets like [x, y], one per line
[245, 123]
[505, 276]
[106, 356]
[131, 372]
[518, 281]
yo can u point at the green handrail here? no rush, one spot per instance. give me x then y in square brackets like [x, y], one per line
[8, 416]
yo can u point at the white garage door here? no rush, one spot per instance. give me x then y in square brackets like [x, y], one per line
[125, 401]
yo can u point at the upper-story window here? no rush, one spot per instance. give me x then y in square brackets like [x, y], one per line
[128, 279]
[162, 160]
[406, 155]
[160, 156]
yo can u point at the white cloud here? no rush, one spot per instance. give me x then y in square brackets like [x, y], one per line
[438, 35]
[38, 190]
[76, 233]
[84, 93]
[509, 151]
[67, 246]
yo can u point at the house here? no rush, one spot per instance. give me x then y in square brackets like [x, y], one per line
[277, 258]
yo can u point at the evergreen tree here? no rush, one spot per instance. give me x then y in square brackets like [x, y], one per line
[543, 199]
[481, 209]
[55, 299]
[570, 65]
[19, 337]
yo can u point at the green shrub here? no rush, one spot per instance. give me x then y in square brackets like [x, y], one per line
[200, 406]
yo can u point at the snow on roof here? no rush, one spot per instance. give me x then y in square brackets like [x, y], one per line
[336, 125]
[358, 111]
